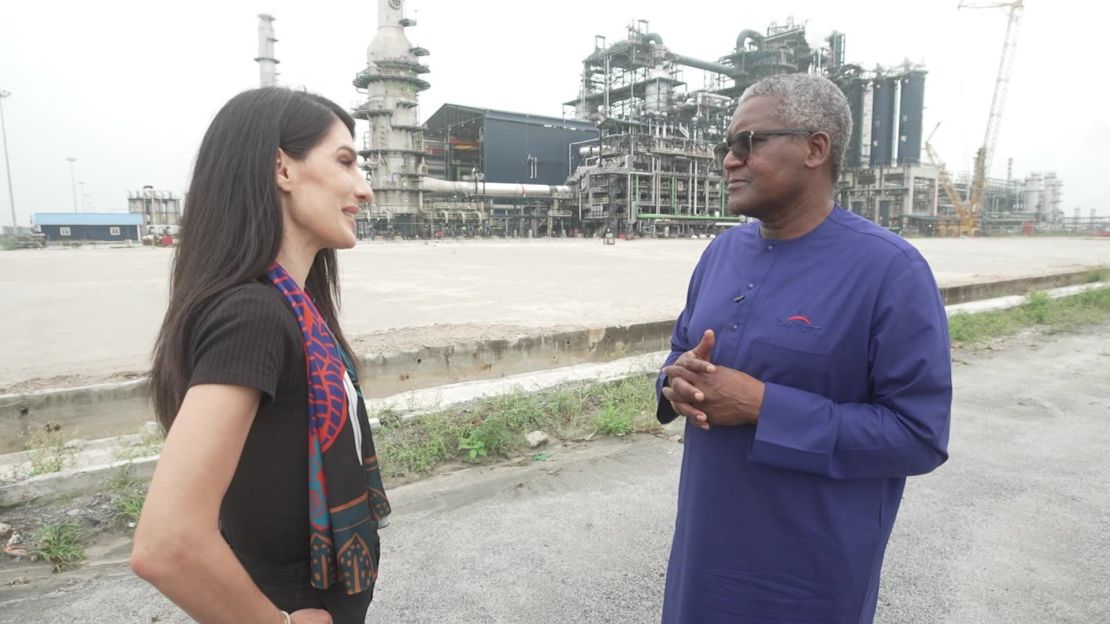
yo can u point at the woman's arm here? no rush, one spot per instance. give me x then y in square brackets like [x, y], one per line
[178, 546]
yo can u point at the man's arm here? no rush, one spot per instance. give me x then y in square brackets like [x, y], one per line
[664, 412]
[904, 429]
[680, 341]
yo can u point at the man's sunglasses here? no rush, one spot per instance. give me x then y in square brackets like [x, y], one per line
[741, 143]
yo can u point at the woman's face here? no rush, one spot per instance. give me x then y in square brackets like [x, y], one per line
[321, 194]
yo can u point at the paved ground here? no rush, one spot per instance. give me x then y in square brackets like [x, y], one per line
[1014, 528]
[74, 316]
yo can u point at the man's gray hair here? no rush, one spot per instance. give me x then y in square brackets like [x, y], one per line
[809, 101]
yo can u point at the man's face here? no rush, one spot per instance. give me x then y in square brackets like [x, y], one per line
[773, 171]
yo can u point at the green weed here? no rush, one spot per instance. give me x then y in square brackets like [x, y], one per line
[612, 420]
[60, 544]
[129, 504]
[48, 451]
[495, 427]
[1039, 310]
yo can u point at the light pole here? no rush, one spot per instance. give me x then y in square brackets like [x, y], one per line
[7, 162]
[84, 198]
[73, 179]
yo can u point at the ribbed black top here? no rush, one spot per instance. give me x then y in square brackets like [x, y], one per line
[249, 336]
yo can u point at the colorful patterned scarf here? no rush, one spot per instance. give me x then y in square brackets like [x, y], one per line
[346, 500]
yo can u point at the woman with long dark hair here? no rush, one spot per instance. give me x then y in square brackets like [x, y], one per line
[266, 502]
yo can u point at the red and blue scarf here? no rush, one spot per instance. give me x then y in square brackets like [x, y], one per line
[346, 499]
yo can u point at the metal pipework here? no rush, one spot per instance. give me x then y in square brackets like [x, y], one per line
[688, 61]
[749, 35]
[477, 188]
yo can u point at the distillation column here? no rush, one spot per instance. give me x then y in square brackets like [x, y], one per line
[394, 145]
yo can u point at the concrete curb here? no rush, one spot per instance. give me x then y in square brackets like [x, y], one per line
[412, 404]
[393, 372]
[1017, 286]
[69, 483]
[386, 374]
[20, 407]
[1002, 303]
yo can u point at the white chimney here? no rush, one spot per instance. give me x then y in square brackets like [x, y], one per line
[267, 64]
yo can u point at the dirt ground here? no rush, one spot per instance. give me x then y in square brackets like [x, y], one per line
[1015, 527]
[76, 316]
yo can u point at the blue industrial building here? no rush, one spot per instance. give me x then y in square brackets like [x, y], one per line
[89, 226]
[519, 148]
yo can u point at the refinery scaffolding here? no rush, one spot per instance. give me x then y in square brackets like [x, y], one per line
[651, 171]
[633, 153]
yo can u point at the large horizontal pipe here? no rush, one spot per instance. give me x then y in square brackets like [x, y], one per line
[489, 189]
[727, 70]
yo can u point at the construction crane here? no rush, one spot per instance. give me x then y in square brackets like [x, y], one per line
[945, 182]
[970, 209]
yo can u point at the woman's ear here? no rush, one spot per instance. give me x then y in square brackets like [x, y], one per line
[283, 171]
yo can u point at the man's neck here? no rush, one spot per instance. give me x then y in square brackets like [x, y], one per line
[799, 219]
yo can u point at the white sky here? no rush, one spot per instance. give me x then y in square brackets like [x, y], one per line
[128, 88]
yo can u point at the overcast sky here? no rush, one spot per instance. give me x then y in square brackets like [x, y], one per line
[128, 88]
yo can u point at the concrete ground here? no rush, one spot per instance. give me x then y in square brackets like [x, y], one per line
[76, 316]
[1014, 528]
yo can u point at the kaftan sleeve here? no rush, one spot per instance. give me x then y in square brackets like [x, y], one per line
[680, 339]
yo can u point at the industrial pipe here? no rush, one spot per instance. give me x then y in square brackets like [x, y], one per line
[727, 70]
[755, 37]
[489, 189]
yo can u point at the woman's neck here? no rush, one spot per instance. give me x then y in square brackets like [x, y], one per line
[297, 258]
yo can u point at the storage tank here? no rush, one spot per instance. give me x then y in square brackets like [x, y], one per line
[1050, 195]
[884, 97]
[911, 107]
[854, 91]
[1031, 198]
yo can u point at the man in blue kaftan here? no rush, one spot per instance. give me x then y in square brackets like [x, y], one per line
[812, 364]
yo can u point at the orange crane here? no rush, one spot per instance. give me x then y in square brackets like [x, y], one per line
[970, 208]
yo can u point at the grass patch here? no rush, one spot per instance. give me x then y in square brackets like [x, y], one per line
[129, 504]
[148, 444]
[128, 496]
[624, 404]
[48, 450]
[1039, 310]
[1097, 275]
[60, 544]
[612, 420]
[496, 427]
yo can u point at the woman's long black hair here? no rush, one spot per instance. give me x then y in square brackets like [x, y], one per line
[231, 229]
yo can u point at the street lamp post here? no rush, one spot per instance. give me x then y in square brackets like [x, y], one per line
[73, 180]
[7, 162]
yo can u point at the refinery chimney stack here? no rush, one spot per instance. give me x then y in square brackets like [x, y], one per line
[267, 64]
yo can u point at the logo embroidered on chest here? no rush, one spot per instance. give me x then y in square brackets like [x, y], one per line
[801, 324]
